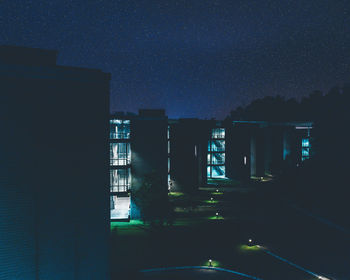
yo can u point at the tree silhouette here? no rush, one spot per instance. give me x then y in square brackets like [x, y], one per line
[153, 202]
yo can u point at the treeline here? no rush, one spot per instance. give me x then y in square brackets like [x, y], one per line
[322, 183]
[310, 108]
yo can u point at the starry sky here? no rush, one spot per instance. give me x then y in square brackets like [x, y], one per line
[194, 58]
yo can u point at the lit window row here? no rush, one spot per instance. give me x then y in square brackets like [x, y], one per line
[216, 153]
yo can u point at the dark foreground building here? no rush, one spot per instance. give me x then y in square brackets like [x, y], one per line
[197, 150]
[54, 210]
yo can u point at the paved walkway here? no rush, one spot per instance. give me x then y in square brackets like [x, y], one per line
[293, 264]
[195, 273]
[320, 219]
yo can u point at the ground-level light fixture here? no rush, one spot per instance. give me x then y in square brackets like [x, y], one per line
[217, 190]
[211, 199]
[250, 242]
[210, 262]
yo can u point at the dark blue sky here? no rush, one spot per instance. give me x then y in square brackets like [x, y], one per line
[193, 58]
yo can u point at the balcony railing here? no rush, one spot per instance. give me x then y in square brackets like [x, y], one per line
[122, 135]
[119, 162]
[120, 188]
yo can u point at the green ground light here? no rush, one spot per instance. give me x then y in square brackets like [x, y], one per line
[217, 193]
[216, 218]
[214, 263]
[175, 194]
[245, 248]
[211, 201]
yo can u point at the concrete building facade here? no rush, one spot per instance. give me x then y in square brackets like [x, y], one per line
[54, 208]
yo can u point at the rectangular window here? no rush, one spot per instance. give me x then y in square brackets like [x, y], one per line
[119, 154]
[218, 171]
[218, 158]
[218, 133]
[305, 142]
[120, 180]
[119, 129]
[305, 148]
[218, 145]
[120, 207]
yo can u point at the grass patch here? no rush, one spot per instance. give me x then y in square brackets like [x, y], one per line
[246, 248]
[216, 218]
[211, 201]
[217, 193]
[126, 224]
[176, 194]
[223, 182]
[134, 227]
[195, 238]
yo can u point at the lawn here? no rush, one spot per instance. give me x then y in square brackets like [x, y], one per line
[223, 182]
[200, 235]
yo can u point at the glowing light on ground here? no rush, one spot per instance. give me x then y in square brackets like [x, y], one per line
[247, 248]
[211, 201]
[216, 217]
[217, 193]
[175, 194]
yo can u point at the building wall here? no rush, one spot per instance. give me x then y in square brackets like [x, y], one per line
[188, 156]
[149, 150]
[238, 150]
[54, 202]
[266, 146]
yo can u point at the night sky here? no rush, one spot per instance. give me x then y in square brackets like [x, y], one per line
[193, 58]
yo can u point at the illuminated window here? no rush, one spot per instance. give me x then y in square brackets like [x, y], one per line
[305, 142]
[119, 154]
[209, 171]
[218, 133]
[305, 148]
[218, 158]
[119, 129]
[120, 207]
[217, 145]
[218, 171]
[120, 180]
